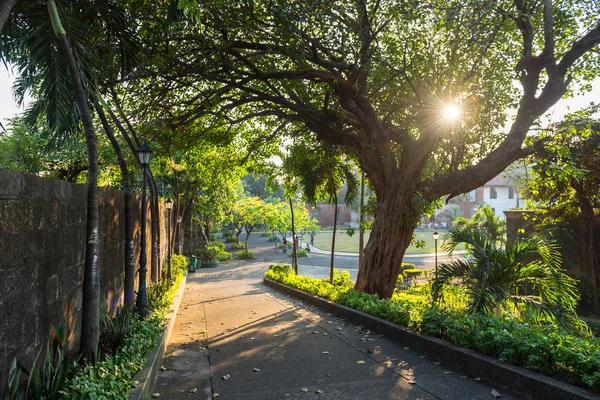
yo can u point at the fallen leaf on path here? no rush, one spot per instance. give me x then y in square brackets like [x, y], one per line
[325, 352]
[225, 377]
[360, 362]
[304, 390]
[407, 348]
[495, 394]
[315, 332]
[155, 395]
[194, 390]
[437, 362]
[215, 395]
[412, 382]
[477, 379]
[162, 368]
[319, 391]
[448, 372]
[423, 357]
[256, 370]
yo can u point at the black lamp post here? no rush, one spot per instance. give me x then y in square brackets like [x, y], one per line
[144, 155]
[180, 244]
[435, 238]
[169, 207]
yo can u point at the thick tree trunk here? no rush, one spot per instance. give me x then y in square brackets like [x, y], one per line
[392, 232]
[586, 230]
[5, 8]
[294, 255]
[90, 309]
[129, 295]
[155, 225]
[361, 220]
[332, 261]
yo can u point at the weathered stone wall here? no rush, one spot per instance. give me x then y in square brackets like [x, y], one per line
[42, 256]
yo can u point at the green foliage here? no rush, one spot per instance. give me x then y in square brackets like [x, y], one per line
[179, 262]
[209, 252]
[224, 256]
[544, 348]
[45, 382]
[301, 253]
[245, 255]
[218, 244]
[112, 377]
[494, 274]
[114, 331]
[230, 239]
[486, 221]
[411, 273]
[237, 246]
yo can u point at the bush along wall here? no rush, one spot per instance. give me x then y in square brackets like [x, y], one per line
[125, 339]
[543, 348]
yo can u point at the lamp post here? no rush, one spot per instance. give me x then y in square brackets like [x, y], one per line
[435, 239]
[169, 207]
[144, 155]
[180, 244]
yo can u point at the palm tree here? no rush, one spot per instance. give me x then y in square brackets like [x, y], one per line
[486, 220]
[493, 275]
[46, 42]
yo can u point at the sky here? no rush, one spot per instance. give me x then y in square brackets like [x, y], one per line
[8, 107]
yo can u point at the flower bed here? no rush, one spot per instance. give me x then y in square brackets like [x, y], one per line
[546, 349]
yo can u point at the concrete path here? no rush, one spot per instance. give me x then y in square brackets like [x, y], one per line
[237, 339]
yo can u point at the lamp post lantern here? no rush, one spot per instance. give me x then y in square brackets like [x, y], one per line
[435, 239]
[169, 207]
[144, 155]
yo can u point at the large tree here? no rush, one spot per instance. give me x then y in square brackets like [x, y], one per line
[565, 183]
[375, 77]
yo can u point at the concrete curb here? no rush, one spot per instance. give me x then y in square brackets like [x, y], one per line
[147, 376]
[522, 381]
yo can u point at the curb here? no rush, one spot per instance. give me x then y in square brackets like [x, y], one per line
[520, 380]
[147, 376]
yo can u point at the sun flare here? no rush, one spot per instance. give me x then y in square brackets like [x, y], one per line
[452, 112]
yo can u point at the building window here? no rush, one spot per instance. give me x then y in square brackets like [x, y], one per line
[511, 193]
[493, 193]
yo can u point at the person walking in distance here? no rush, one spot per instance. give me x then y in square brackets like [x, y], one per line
[276, 243]
[312, 238]
[284, 244]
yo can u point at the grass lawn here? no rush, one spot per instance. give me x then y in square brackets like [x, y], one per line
[343, 242]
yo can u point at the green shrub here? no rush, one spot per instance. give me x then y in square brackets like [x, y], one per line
[212, 237]
[217, 243]
[545, 348]
[594, 326]
[301, 253]
[209, 252]
[114, 331]
[267, 234]
[237, 246]
[281, 268]
[224, 256]
[44, 381]
[179, 262]
[245, 255]
[230, 239]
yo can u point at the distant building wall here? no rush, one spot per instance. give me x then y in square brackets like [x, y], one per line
[326, 213]
[42, 256]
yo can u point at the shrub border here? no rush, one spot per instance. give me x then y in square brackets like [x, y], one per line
[520, 380]
[147, 376]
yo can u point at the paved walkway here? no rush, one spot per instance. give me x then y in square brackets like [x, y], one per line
[234, 338]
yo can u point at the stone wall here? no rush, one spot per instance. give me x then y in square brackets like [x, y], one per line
[42, 256]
